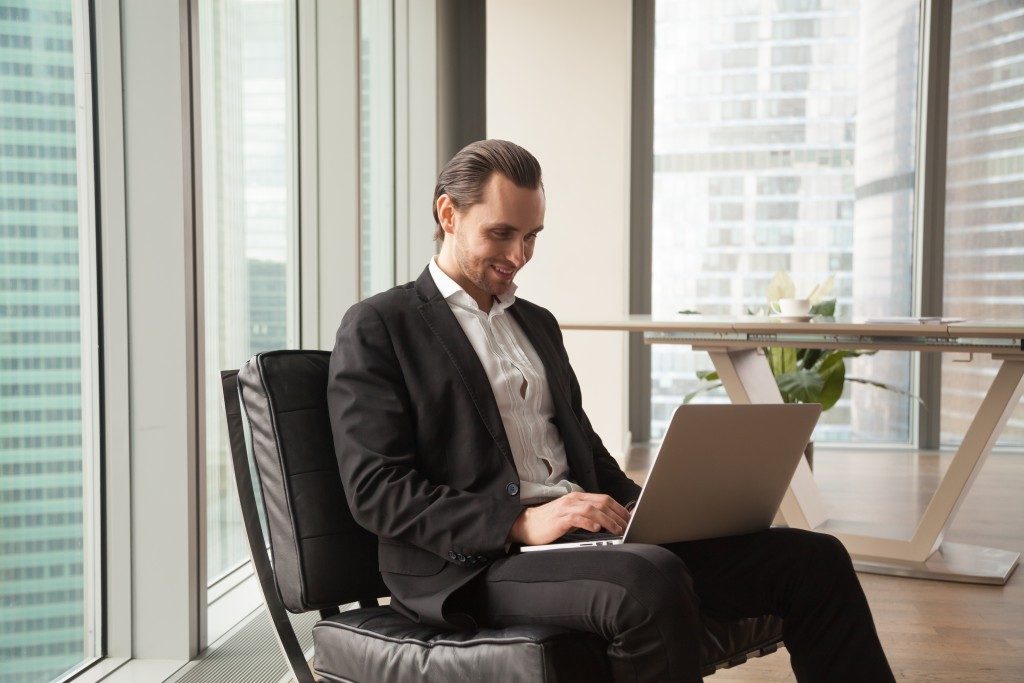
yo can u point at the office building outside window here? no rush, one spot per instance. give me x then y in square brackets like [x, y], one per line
[785, 139]
[249, 207]
[49, 389]
[984, 250]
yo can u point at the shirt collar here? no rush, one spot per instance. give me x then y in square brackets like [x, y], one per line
[454, 293]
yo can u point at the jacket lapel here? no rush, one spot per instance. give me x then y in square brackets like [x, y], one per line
[577, 447]
[442, 322]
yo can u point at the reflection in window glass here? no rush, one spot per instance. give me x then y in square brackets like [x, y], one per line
[784, 138]
[984, 250]
[247, 84]
[376, 147]
[49, 453]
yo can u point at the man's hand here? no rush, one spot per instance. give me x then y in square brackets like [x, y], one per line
[547, 522]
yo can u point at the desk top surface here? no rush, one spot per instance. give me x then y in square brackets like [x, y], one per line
[826, 327]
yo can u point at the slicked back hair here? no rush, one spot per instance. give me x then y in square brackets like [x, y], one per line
[464, 177]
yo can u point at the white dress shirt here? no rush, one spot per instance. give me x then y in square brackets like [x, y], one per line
[520, 388]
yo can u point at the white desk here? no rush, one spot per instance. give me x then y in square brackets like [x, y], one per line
[735, 345]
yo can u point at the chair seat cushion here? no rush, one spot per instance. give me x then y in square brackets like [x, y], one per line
[377, 644]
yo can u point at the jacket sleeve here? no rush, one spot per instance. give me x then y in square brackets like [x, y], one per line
[610, 477]
[375, 442]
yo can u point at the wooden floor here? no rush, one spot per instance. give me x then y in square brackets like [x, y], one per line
[931, 630]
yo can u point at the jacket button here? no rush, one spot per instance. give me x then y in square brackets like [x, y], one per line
[460, 557]
[512, 489]
[451, 554]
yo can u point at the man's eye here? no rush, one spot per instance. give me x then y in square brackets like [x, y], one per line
[531, 237]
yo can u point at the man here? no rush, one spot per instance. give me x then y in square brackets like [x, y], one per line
[460, 434]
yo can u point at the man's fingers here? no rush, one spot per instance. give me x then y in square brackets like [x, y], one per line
[584, 522]
[602, 518]
[618, 513]
[606, 502]
[607, 506]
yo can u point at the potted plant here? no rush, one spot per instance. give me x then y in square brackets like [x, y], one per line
[804, 375]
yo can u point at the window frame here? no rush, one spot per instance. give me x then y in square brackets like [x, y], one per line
[90, 275]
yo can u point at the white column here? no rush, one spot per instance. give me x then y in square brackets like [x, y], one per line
[558, 83]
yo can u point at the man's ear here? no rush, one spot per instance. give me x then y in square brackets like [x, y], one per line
[446, 214]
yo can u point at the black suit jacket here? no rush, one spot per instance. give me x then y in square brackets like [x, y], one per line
[422, 451]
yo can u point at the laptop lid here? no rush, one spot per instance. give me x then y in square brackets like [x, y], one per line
[722, 470]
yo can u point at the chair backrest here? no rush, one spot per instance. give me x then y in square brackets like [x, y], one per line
[321, 557]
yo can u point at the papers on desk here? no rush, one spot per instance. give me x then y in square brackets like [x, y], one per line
[911, 320]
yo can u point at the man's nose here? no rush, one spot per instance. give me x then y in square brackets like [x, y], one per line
[517, 254]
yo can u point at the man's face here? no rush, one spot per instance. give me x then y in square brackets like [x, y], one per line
[492, 240]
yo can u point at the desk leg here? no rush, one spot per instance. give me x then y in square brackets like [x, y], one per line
[926, 555]
[747, 378]
[993, 413]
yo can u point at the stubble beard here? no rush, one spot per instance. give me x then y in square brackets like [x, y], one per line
[476, 272]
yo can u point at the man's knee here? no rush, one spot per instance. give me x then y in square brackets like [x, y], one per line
[815, 547]
[651, 571]
[826, 563]
[830, 550]
[656, 584]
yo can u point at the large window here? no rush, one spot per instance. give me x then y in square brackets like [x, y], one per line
[249, 204]
[785, 139]
[49, 392]
[984, 250]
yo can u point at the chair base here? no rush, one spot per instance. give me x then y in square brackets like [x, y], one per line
[380, 645]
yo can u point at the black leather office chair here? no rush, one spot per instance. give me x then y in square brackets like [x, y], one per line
[309, 554]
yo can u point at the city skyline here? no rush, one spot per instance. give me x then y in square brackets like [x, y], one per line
[42, 558]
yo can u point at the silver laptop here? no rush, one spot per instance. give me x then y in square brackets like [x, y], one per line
[722, 470]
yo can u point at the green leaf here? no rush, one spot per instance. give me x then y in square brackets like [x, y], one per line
[782, 360]
[827, 307]
[833, 387]
[690, 396]
[789, 356]
[808, 357]
[830, 359]
[707, 375]
[801, 386]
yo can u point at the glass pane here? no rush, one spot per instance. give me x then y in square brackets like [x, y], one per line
[984, 250]
[784, 138]
[376, 147]
[249, 200]
[49, 452]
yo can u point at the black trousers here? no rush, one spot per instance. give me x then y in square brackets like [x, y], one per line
[646, 601]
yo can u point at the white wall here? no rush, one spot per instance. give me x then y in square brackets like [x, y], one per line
[558, 83]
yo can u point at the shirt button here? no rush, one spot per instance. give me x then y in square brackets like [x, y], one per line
[512, 489]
